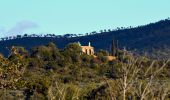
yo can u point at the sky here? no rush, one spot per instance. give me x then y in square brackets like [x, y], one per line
[77, 16]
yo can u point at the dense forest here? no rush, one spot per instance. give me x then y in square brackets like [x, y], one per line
[152, 39]
[48, 73]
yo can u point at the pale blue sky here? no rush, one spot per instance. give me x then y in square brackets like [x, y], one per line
[77, 16]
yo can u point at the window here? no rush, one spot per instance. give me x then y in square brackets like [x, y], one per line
[86, 51]
[90, 52]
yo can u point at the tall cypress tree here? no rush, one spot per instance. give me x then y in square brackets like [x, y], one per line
[117, 48]
[113, 48]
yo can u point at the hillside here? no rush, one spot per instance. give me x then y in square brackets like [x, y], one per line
[154, 36]
[49, 73]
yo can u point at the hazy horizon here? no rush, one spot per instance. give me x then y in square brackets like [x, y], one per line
[74, 17]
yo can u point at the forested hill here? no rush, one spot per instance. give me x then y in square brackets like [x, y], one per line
[141, 38]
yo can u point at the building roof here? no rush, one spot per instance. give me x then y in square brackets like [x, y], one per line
[89, 47]
[110, 58]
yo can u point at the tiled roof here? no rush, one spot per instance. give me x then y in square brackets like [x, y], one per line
[87, 47]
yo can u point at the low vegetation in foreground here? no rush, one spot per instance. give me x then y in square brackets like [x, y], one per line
[49, 73]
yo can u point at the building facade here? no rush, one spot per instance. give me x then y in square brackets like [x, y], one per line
[89, 50]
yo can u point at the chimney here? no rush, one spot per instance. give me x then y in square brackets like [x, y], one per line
[89, 44]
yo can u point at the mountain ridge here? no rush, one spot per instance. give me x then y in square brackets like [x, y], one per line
[143, 38]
